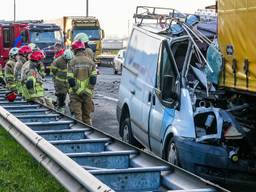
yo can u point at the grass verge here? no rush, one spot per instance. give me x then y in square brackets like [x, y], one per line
[19, 172]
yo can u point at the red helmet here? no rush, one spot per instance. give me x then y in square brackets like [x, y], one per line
[78, 45]
[37, 56]
[25, 50]
[11, 96]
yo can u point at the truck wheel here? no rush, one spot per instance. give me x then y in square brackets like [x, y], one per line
[127, 133]
[173, 153]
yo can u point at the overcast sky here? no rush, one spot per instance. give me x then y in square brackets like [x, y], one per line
[114, 15]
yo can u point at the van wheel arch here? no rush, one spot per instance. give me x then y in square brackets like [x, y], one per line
[125, 121]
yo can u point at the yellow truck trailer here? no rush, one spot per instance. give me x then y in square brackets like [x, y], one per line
[237, 40]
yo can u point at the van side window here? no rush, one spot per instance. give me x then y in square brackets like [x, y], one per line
[180, 51]
[167, 76]
[7, 37]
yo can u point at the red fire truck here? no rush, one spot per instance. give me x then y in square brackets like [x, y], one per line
[25, 32]
[10, 33]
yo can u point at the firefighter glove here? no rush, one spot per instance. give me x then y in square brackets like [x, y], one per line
[72, 82]
[30, 84]
[93, 80]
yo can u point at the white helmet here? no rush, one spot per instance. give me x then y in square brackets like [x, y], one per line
[14, 51]
[68, 54]
[82, 37]
[33, 46]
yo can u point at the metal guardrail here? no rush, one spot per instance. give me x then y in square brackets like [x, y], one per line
[67, 172]
[83, 158]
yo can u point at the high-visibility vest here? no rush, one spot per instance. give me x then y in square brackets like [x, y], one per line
[79, 65]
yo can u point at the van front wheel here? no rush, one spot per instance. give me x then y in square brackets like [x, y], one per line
[127, 132]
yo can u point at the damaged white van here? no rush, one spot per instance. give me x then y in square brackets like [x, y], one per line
[167, 105]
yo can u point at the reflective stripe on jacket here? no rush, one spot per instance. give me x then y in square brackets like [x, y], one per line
[59, 69]
[9, 73]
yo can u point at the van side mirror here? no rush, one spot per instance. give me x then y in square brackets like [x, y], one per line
[169, 93]
[65, 36]
[103, 33]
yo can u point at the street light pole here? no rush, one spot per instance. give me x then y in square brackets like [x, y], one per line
[14, 11]
[87, 8]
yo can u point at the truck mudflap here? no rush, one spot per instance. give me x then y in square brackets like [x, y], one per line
[214, 163]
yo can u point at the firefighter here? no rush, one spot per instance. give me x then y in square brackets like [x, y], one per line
[59, 71]
[34, 47]
[85, 39]
[82, 78]
[32, 81]
[9, 69]
[23, 55]
[59, 51]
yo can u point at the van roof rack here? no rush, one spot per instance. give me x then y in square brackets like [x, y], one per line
[175, 23]
[158, 14]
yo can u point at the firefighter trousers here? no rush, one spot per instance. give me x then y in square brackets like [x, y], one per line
[82, 107]
[61, 98]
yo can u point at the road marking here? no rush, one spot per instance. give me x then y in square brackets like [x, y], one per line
[106, 97]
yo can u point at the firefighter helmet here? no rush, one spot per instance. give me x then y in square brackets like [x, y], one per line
[25, 50]
[37, 56]
[82, 37]
[11, 96]
[14, 51]
[33, 46]
[68, 54]
[76, 45]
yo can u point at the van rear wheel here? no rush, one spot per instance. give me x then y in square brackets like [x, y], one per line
[173, 153]
[127, 133]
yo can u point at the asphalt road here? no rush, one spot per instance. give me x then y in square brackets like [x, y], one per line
[105, 100]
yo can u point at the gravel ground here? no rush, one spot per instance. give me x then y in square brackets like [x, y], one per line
[105, 100]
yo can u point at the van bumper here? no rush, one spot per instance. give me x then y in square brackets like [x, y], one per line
[213, 163]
